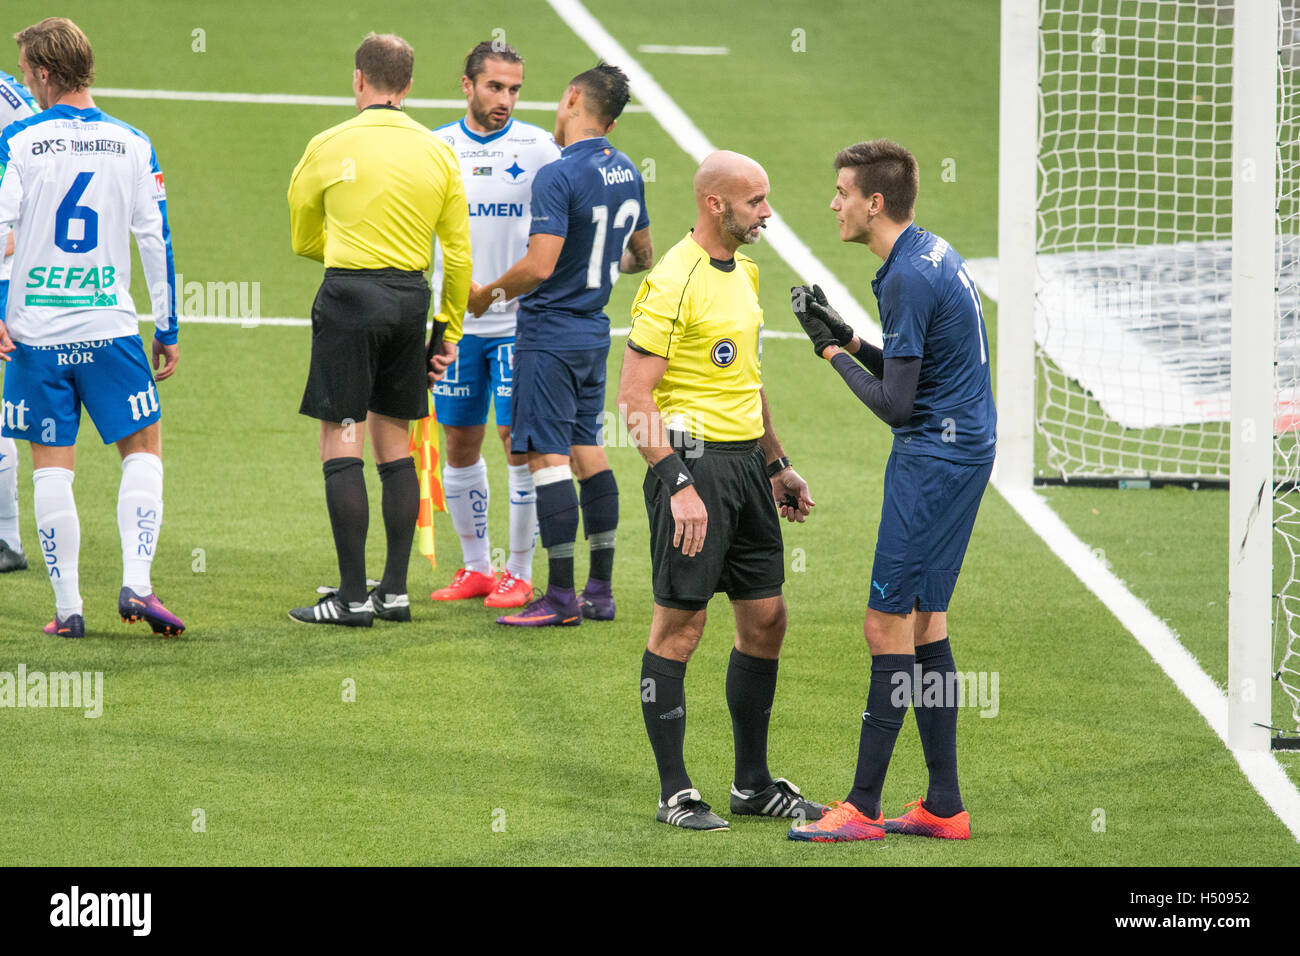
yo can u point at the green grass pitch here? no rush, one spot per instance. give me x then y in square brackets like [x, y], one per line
[473, 744]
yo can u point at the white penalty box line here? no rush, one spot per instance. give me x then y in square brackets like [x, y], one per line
[1262, 770]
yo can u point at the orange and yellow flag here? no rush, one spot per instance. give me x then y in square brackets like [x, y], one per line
[424, 449]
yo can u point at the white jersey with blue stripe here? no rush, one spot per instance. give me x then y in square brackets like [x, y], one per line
[15, 104]
[74, 185]
[498, 169]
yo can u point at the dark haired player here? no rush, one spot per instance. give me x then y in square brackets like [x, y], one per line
[589, 224]
[499, 159]
[931, 384]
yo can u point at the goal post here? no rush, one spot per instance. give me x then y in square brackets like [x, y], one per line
[1253, 350]
[1148, 285]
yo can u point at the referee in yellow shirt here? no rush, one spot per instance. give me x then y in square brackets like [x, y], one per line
[693, 401]
[367, 198]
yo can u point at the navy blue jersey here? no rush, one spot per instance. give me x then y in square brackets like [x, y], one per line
[930, 309]
[594, 197]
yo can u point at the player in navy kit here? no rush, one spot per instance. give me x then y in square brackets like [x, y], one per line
[931, 384]
[589, 225]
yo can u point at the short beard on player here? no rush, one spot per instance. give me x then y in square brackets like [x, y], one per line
[484, 118]
[732, 227]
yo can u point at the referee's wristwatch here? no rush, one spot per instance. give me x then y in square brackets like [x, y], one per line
[776, 467]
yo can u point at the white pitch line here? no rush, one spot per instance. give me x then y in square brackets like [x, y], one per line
[293, 322]
[688, 136]
[295, 99]
[685, 50]
[1262, 770]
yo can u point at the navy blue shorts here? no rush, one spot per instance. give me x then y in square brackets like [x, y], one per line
[480, 376]
[925, 524]
[558, 400]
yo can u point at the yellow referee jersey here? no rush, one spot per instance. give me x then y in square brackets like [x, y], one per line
[704, 317]
[371, 192]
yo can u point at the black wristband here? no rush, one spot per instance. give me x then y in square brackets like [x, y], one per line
[779, 465]
[673, 473]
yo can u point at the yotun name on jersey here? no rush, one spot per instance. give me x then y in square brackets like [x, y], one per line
[498, 169]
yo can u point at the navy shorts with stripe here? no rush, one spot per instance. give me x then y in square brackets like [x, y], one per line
[926, 519]
[558, 400]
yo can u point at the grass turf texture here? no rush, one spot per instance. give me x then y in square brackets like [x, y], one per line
[459, 723]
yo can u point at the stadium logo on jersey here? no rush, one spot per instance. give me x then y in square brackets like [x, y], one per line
[723, 352]
[482, 170]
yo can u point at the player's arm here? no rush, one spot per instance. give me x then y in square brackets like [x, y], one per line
[639, 254]
[524, 276]
[452, 230]
[11, 198]
[642, 372]
[657, 313]
[307, 208]
[153, 238]
[789, 491]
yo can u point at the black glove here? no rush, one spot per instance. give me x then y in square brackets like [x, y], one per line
[819, 307]
[802, 301]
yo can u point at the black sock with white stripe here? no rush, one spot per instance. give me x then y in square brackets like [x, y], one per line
[751, 688]
[663, 706]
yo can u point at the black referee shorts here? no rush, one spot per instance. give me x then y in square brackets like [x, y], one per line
[743, 553]
[368, 346]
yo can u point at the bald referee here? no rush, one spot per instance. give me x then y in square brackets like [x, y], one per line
[693, 401]
[366, 199]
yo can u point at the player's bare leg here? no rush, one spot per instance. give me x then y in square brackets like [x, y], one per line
[390, 443]
[941, 813]
[59, 532]
[598, 496]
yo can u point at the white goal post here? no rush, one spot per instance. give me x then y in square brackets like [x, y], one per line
[1148, 283]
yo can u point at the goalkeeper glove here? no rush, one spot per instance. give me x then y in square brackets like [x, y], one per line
[801, 302]
[819, 307]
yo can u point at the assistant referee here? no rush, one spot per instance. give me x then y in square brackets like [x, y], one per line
[366, 199]
[691, 385]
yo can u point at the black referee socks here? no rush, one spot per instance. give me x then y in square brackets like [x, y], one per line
[887, 701]
[349, 509]
[751, 688]
[401, 507]
[663, 706]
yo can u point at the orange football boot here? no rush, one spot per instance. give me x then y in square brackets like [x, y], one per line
[510, 592]
[841, 822]
[919, 821]
[466, 584]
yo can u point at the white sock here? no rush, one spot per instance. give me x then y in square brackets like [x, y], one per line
[9, 494]
[139, 518]
[523, 522]
[59, 535]
[467, 501]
